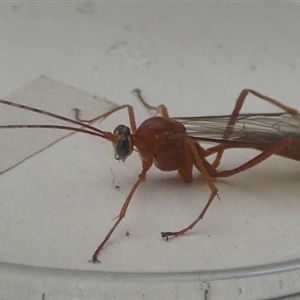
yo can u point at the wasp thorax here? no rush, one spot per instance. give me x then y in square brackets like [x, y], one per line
[123, 146]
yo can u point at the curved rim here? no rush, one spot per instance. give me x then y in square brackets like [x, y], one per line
[205, 275]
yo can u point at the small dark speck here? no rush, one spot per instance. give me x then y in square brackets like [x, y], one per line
[253, 68]
[266, 49]
[43, 296]
[240, 291]
[15, 7]
[181, 66]
[117, 45]
[86, 9]
[127, 233]
[95, 67]
[220, 45]
[293, 66]
[127, 27]
[206, 292]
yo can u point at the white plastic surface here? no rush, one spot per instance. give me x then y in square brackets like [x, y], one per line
[58, 205]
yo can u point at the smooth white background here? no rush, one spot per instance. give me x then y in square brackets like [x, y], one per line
[193, 57]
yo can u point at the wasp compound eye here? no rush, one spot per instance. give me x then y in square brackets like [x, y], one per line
[122, 130]
[123, 146]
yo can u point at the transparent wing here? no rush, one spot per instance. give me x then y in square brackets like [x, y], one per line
[252, 129]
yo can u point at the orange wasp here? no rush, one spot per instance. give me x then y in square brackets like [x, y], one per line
[172, 144]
